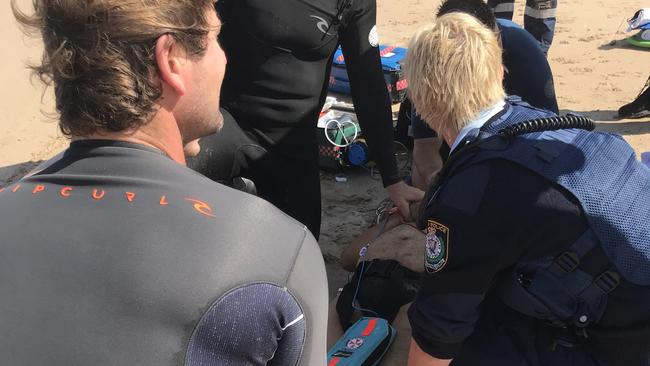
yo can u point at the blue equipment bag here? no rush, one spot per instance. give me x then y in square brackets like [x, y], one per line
[364, 343]
[391, 63]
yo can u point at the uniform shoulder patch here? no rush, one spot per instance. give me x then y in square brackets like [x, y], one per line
[436, 246]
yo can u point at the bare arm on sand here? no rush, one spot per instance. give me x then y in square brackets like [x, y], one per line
[397, 241]
[417, 357]
[426, 161]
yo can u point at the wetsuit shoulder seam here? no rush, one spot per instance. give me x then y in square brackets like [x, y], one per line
[295, 256]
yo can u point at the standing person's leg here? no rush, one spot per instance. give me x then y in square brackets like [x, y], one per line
[290, 180]
[502, 8]
[299, 193]
[539, 21]
[234, 153]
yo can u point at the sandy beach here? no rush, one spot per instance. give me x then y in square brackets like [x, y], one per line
[595, 73]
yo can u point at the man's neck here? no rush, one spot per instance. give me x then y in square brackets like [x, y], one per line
[161, 133]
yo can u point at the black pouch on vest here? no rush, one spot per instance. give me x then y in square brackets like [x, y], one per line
[384, 288]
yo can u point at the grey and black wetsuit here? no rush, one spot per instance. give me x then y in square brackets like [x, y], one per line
[113, 254]
[279, 56]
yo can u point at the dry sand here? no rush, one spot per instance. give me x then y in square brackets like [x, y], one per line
[595, 73]
[28, 131]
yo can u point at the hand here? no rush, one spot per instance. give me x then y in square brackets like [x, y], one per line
[417, 357]
[192, 148]
[402, 196]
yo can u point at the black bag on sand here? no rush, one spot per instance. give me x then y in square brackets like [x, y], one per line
[382, 287]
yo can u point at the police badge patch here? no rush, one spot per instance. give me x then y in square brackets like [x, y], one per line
[437, 246]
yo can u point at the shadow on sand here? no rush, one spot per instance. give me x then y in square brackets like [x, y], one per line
[12, 173]
[608, 121]
[620, 44]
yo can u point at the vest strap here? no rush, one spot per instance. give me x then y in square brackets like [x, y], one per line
[594, 300]
[570, 260]
[608, 281]
[565, 262]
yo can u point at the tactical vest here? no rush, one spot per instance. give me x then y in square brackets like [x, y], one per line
[601, 171]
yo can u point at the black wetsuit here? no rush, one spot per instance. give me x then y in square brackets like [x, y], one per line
[116, 255]
[279, 56]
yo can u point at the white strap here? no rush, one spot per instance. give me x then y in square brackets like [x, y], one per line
[541, 13]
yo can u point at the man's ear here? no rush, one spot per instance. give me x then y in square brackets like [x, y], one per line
[171, 60]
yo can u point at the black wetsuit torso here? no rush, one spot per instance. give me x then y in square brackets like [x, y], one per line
[113, 254]
[279, 57]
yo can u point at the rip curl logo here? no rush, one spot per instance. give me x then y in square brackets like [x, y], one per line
[98, 194]
[201, 207]
[322, 25]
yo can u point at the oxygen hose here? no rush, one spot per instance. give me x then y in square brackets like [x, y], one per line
[548, 124]
[383, 216]
[521, 128]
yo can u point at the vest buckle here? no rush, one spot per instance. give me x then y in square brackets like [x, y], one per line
[608, 281]
[566, 262]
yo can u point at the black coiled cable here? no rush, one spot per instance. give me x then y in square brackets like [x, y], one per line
[548, 124]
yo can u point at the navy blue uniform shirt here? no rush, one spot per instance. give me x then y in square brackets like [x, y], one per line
[492, 215]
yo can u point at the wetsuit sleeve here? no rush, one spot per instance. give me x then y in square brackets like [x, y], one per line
[369, 92]
[482, 221]
[448, 303]
[308, 283]
[255, 324]
[223, 8]
[268, 324]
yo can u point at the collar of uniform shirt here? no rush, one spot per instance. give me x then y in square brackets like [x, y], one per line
[478, 121]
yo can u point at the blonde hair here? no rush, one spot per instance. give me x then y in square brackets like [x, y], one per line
[454, 69]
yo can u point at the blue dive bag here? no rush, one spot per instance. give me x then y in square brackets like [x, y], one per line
[391, 64]
[364, 343]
